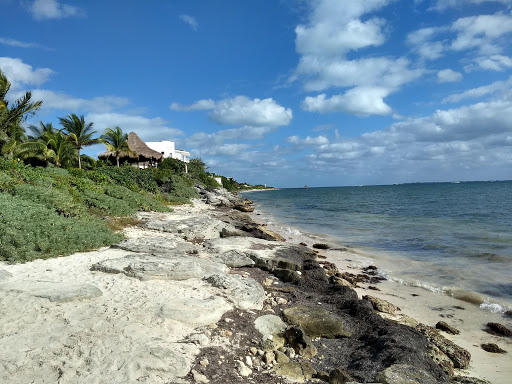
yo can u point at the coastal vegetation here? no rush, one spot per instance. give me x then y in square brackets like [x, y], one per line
[55, 201]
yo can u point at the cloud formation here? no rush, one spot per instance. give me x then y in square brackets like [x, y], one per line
[20, 44]
[52, 9]
[190, 20]
[21, 74]
[448, 76]
[241, 110]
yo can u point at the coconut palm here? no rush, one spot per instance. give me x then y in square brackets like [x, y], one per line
[79, 133]
[40, 132]
[11, 116]
[60, 149]
[116, 142]
[14, 136]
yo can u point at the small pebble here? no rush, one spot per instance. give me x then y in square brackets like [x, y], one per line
[204, 362]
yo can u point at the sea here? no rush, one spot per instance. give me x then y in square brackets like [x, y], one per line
[443, 237]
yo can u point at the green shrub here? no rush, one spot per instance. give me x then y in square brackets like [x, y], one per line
[7, 182]
[107, 204]
[179, 187]
[29, 230]
[139, 201]
[174, 165]
[132, 178]
[54, 199]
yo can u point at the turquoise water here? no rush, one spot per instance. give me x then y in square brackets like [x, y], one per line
[437, 234]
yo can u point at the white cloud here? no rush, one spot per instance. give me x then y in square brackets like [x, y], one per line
[201, 105]
[62, 101]
[448, 76]
[147, 129]
[491, 63]
[478, 92]
[481, 32]
[319, 140]
[52, 9]
[358, 101]
[335, 29]
[441, 5]
[241, 110]
[421, 41]
[21, 74]
[190, 20]
[20, 44]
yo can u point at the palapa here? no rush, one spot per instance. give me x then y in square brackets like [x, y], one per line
[139, 152]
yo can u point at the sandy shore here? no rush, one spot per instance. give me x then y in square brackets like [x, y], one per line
[180, 301]
[425, 306]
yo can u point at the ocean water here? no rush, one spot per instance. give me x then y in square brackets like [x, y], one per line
[440, 236]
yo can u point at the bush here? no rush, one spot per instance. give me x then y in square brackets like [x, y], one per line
[29, 230]
[54, 199]
[179, 187]
[174, 165]
[132, 178]
[135, 200]
[107, 204]
[7, 182]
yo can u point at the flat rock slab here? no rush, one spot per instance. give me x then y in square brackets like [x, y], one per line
[404, 374]
[234, 259]
[4, 275]
[148, 267]
[194, 227]
[245, 292]
[268, 255]
[155, 244]
[270, 325]
[381, 305]
[316, 322]
[54, 291]
[196, 312]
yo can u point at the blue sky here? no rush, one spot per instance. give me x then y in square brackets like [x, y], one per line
[282, 92]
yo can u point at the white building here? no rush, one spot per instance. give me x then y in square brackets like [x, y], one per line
[168, 149]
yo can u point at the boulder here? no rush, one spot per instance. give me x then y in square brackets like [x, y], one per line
[404, 374]
[316, 322]
[272, 330]
[148, 267]
[458, 355]
[261, 232]
[321, 246]
[339, 376]
[245, 292]
[234, 259]
[469, 380]
[381, 305]
[441, 325]
[155, 244]
[195, 312]
[54, 291]
[300, 342]
[492, 348]
[498, 329]
[295, 371]
[441, 359]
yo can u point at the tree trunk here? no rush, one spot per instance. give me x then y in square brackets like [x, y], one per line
[79, 162]
[117, 159]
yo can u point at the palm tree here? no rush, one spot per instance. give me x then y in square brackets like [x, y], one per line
[79, 133]
[60, 149]
[14, 136]
[12, 116]
[41, 132]
[116, 142]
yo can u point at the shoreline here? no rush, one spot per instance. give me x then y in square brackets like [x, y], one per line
[182, 300]
[422, 304]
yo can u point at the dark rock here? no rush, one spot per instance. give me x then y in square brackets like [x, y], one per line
[458, 355]
[316, 322]
[329, 268]
[441, 359]
[321, 246]
[492, 348]
[447, 328]
[508, 313]
[286, 275]
[382, 305]
[260, 232]
[322, 375]
[303, 244]
[498, 330]
[373, 288]
[404, 374]
[300, 342]
[469, 380]
[339, 376]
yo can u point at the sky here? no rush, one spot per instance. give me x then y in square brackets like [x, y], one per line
[280, 92]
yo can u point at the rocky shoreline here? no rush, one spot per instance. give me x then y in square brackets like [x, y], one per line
[206, 294]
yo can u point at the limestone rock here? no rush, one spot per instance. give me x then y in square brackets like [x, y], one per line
[245, 292]
[199, 377]
[441, 359]
[195, 312]
[155, 244]
[4, 275]
[235, 259]
[54, 291]
[261, 232]
[498, 330]
[316, 322]
[300, 342]
[382, 305]
[447, 328]
[492, 348]
[404, 374]
[272, 330]
[297, 372]
[147, 267]
[281, 357]
[458, 355]
[469, 380]
[321, 246]
[243, 370]
[339, 376]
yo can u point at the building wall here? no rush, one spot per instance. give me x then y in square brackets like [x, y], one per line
[168, 149]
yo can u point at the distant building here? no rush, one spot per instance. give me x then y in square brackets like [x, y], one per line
[168, 149]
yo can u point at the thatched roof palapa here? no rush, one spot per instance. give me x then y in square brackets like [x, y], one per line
[140, 152]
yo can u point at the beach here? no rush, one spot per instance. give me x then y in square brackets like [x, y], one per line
[207, 294]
